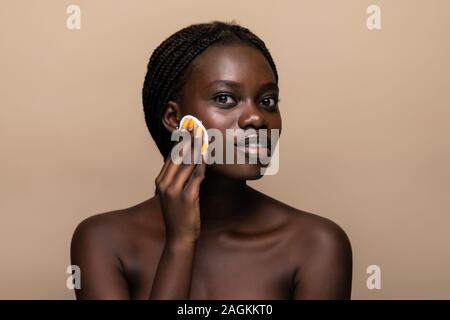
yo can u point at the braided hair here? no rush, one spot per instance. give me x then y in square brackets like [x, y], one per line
[167, 69]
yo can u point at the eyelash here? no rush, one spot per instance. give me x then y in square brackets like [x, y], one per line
[275, 98]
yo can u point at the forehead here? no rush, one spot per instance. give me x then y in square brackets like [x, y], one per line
[237, 62]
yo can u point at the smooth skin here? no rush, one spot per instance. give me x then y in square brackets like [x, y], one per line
[207, 235]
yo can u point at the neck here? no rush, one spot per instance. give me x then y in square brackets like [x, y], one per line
[221, 199]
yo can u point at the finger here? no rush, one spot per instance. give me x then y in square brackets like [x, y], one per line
[184, 140]
[196, 135]
[192, 158]
[198, 142]
[183, 175]
[174, 166]
[193, 184]
[192, 188]
[163, 169]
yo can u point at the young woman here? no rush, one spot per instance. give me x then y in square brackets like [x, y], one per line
[206, 234]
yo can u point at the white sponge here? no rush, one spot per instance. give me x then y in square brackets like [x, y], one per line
[191, 122]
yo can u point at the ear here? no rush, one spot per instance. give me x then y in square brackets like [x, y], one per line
[171, 116]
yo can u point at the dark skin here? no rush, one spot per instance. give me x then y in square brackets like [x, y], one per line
[207, 235]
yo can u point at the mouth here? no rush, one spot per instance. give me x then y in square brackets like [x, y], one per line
[253, 145]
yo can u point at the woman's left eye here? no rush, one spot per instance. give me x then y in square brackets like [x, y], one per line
[269, 102]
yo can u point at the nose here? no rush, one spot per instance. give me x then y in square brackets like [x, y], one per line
[252, 116]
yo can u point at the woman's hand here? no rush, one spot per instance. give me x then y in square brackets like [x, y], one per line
[178, 186]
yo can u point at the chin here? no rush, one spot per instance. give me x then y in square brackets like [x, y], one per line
[238, 171]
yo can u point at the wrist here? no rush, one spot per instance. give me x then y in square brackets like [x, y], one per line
[180, 242]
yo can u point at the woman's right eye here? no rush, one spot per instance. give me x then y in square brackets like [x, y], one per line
[225, 99]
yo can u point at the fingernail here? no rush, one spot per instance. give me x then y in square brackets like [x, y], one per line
[191, 125]
[205, 157]
[198, 132]
[203, 148]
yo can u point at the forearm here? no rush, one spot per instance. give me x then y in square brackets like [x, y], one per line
[173, 276]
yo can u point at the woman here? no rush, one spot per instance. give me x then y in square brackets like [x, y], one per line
[206, 234]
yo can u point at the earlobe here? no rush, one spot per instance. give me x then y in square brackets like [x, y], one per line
[171, 116]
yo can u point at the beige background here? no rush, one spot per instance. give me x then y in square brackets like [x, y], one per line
[365, 128]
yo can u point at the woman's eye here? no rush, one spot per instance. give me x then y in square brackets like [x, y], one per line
[270, 102]
[224, 99]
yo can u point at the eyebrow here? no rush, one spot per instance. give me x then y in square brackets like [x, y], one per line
[236, 85]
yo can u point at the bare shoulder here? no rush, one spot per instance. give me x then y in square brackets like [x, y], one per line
[102, 244]
[318, 250]
[113, 230]
[309, 231]
[319, 231]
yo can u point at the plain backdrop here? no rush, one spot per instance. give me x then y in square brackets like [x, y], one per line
[365, 138]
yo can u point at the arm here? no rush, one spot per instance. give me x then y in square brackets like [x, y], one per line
[327, 272]
[101, 270]
[101, 276]
[173, 276]
[178, 187]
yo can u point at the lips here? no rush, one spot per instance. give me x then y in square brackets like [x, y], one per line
[254, 145]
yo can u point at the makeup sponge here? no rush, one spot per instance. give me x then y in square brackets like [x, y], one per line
[192, 123]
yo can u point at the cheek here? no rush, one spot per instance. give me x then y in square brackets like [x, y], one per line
[276, 122]
[213, 118]
[216, 118]
[277, 119]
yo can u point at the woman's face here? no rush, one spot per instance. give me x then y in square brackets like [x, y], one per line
[232, 87]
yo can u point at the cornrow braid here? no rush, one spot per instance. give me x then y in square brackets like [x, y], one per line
[167, 68]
